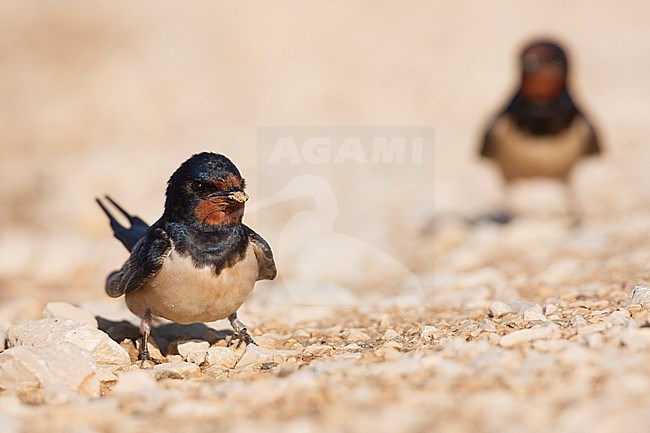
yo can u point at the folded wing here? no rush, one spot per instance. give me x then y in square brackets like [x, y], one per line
[145, 261]
[264, 255]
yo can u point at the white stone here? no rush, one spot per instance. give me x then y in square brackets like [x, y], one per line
[222, 357]
[197, 358]
[64, 310]
[521, 306]
[174, 370]
[430, 332]
[619, 318]
[391, 334]
[254, 356]
[352, 347]
[640, 294]
[537, 332]
[593, 328]
[487, 325]
[46, 373]
[533, 315]
[318, 349]
[499, 309]
[105, 374]
[636, 338]
[51, 332]
[301, 333]
[356, 335]
[194, 351]
[186, 347]
[550, 309]
[554, 345]
[578, 321]
[130, 382]
[595, 341]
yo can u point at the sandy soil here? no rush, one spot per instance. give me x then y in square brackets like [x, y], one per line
[112, 98]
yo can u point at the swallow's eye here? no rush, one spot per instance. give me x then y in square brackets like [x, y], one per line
[200, 186]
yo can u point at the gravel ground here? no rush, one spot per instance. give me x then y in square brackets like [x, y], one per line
[555, 342]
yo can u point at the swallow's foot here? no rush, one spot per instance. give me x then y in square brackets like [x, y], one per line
[501, 217]
[145, 357]
[241, 330]
[149, 361]
[246, 338]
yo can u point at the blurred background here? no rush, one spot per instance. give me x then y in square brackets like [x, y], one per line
[111, 97]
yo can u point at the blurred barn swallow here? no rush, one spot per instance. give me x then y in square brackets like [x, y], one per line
[198, 262]
[541, 132]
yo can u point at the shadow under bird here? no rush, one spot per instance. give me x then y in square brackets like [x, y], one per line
[198, 262]
[541, 132]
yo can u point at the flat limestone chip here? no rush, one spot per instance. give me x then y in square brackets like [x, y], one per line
[357, 335]
[175, 370]
[64, 310]
[533, 315]
[43, 374]
[51, 332]
[640, 294]
[255, 356]
[130, 382]
[318, 349]
[637, 339]
[430, 332]
[498, 309]
[222, 357]
[537, 332]
[186, 347]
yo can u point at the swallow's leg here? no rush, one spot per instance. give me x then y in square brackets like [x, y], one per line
[241, 330]
[574, 210]
[145, 331]
[505, 214]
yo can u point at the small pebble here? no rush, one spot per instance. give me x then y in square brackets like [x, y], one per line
[356, 335]
[533, 315]
[499, 309]
[550, 309]
[391, 334]
[318, 349]
[640, 294]
[526, 335]
[430, 332]
[578, 321]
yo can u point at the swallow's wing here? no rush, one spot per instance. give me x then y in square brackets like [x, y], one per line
[488, 145]
[264, 255]
[145, 261]
[592, 146]
[128, 236]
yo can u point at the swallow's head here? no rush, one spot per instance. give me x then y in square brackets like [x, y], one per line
[544, 70]
[207, 190]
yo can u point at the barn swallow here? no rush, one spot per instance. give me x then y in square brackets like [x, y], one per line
[198, 262]
[541, 132]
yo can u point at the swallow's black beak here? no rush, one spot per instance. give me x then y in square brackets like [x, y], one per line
[236, 194]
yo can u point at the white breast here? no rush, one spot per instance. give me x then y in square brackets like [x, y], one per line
[185, 294]
[523, 155]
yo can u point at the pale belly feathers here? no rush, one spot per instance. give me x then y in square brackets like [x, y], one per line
[522, 155]
[184, 294]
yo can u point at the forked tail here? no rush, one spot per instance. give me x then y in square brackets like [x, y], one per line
[128, 236]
